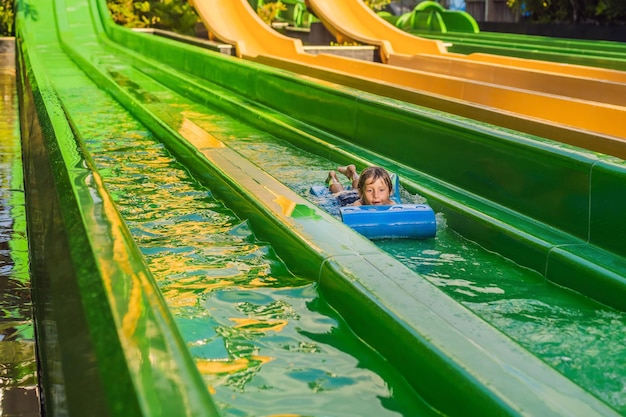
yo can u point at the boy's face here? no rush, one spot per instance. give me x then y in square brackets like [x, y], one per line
[376, 192]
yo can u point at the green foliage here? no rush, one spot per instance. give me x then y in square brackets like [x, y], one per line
[124, 13]
[7, 18]
[377, 5]
[611, 10]
[174, 15]
[587, 11]
[270, 10]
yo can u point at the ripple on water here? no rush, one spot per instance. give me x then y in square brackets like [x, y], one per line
[263, 339]
[238, 312]
[18, 364]
[580, 338]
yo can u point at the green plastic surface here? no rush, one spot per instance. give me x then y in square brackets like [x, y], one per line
[106, 342]
[527, 198]
[602, 54]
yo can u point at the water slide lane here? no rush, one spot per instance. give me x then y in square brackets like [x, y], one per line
[230, 163]
[100, 316]
[583, 115]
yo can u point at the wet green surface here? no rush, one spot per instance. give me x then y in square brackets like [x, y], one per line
[264, 340]
[17, 355]
[262, 337]
[234, 300]
[580, 338]
[566, 330]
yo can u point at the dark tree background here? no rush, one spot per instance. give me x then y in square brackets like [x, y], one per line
[571, 11]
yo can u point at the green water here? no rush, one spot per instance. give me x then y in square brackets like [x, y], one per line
[264, 340]
[580, 338]
[17, 353]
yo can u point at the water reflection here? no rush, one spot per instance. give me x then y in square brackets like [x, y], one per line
[250, 324]
[264, 340]
[17, 354]
[578, 337]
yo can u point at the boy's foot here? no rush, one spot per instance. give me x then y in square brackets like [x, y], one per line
[349, 171]
[332, 178]
[333, 182]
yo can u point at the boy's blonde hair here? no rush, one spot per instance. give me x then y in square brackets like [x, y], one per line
[374, 173]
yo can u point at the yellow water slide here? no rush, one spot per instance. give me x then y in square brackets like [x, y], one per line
[572, 70]
[355, 21]
[549, 115]
[234, 22]
[605, 86]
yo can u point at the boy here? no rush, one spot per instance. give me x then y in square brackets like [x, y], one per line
[372, 187]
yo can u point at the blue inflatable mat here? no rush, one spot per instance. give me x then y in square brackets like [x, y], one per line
[411, 221]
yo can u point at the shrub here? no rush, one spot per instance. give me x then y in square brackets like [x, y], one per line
[584, 11]
[7, 18]
[270, 10]
[174, 15]
[377, 5]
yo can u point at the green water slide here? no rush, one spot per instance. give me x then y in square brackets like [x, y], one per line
[602, 54]
[109, 339]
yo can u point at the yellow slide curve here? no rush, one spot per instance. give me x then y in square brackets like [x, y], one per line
[355, 21]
